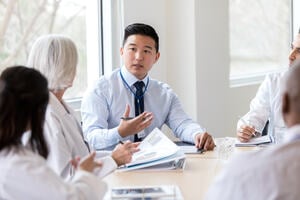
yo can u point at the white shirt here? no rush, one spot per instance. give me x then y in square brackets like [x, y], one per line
[25, 175]
[266, 105]
[272, 173]
[104, 104]
[65, 139]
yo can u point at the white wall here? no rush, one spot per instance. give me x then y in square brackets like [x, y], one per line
[194, 42]
[153, 13]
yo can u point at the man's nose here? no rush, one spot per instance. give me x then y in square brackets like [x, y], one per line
[138, 55]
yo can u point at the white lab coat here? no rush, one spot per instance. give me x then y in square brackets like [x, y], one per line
[25, 175]
[267, 103]
[271, 173]
[65, 140]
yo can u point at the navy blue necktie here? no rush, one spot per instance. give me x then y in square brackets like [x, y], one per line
[138, 102]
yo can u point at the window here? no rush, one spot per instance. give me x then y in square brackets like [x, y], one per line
[259, 38]
[296, 16]
[24, 21]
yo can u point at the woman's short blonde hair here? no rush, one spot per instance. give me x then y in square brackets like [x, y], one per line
[55, 56]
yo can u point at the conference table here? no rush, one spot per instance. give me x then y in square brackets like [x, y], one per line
[194, 181]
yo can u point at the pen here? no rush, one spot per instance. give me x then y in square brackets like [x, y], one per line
[248, 124]
[121, 142]
[126, 118]
[200, 150]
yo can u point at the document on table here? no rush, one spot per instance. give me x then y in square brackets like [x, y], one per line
[159, 192]
[188, 148]
[156, 149]
[155, 146]
[254, 141]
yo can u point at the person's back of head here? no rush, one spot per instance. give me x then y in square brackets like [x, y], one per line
[291, 96]
[55, 56]
[23, 100]
[141, 29]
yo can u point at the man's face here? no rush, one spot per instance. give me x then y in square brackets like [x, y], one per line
[295, 50]
[139, 55]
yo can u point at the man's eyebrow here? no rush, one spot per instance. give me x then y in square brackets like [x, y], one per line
[146, 46]
[149, 47]
[132, 44]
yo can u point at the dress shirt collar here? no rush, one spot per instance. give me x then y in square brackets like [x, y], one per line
[130, 78]
[292, 134]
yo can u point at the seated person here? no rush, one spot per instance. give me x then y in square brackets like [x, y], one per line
[24, 173]
[267, 103]
[148, 102]
[271, 173]
[55, 56]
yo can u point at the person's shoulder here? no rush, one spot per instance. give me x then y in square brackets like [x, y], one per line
[276, 76]
[159, 85]
[22, 156]
[103, 83]
[265, 157]
[248, 161]
[106, 80]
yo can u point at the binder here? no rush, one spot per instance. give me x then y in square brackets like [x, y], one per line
[157, 152]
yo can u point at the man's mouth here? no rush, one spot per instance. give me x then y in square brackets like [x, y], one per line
[137, 65]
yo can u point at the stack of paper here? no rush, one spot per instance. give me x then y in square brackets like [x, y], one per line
[254, 141]
[157, 152]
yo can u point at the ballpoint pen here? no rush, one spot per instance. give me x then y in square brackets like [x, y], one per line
[244, 121]
[200, 150]
[126, 118]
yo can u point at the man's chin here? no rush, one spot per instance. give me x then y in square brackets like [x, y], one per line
[138, 74]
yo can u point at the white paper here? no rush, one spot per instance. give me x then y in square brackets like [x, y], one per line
[254, 141]
[155, 146]
[157, 152]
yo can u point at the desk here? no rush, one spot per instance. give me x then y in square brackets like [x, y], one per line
[194, 181]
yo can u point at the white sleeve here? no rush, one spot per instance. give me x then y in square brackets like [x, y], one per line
[260, 106]
[179, 122]
[95, 114]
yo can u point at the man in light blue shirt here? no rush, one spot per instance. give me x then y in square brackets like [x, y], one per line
[116, 96]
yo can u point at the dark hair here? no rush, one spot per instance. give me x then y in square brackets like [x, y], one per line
[24, 97]
[141, 29]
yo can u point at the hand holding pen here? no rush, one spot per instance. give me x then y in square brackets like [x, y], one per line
[204, 141]
[246, 131]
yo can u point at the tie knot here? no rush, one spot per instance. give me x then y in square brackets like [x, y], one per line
[139, 85]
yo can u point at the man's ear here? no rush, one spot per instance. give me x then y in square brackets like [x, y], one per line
[286, 104]
[157, 56]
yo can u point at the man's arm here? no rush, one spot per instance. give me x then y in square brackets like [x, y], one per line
[259, 113]
[185, 128]
[95, 113]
